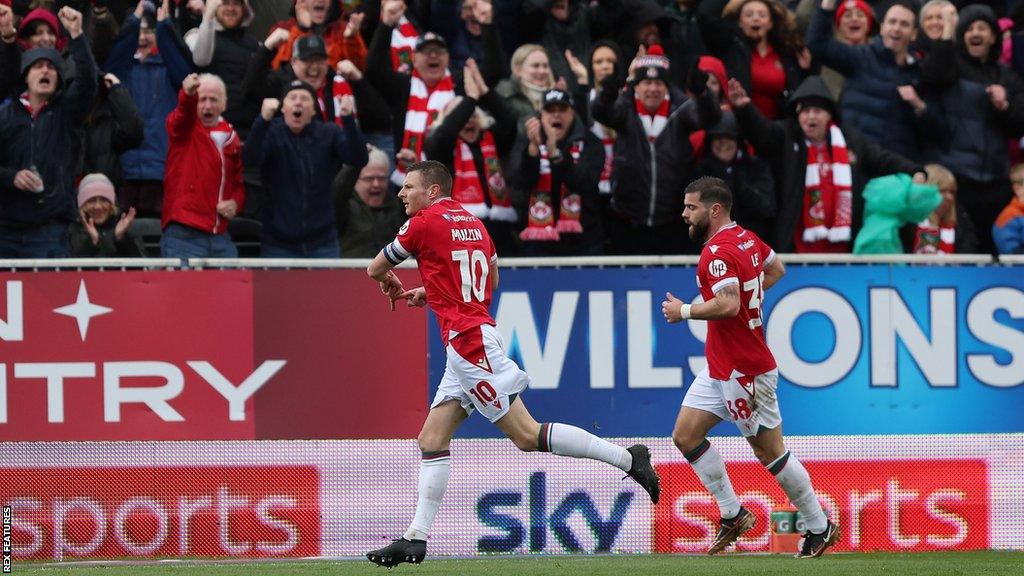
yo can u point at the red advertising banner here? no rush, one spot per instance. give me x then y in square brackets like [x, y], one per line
[207, 355]
[892, 505]
[208, 511]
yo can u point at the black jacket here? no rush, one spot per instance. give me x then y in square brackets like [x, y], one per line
[579, 175]
[753, 189]
[648, 178]
[297, 171]
[113, 127]
[50, 143]
[130, 246]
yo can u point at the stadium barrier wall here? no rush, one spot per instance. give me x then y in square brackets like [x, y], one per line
[341, 498]
[901, 390]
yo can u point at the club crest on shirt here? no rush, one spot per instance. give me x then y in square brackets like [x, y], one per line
[716, 268]
[404, 228]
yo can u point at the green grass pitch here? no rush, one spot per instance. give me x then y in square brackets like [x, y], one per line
[923, 564]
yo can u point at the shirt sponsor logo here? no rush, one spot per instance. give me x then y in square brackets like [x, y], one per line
[717, 268]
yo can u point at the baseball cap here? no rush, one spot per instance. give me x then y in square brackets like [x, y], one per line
[430, 38]
[556, 97]
[307, 47]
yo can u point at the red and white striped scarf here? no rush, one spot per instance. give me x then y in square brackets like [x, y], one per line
[607, 137]
[934, 239]
[541, 224]
[403, 43]
[828, 184]
[340, 88]
[421, 110]
[653, 124]
[466, 186]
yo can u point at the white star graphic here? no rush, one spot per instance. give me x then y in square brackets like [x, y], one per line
[83, 310]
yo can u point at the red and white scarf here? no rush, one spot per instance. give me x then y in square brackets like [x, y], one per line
[340, 88]
[934, 239]
[541, 224]
[607, 137]
[821, 180]
[422, 109]
[466, 186]
[403, 43]
[653, 124]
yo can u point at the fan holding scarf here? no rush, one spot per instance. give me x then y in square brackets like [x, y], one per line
[559, 162]
[821, 167]
[469, 138]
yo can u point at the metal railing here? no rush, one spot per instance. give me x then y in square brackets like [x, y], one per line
[68, 264]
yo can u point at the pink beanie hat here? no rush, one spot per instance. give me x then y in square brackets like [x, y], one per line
[94, 185]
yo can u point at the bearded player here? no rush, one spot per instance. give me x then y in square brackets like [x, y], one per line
[459, 268]
[735, 269]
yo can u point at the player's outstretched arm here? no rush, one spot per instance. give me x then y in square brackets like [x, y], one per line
[773, 272]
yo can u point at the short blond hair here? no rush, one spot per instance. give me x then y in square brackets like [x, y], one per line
[1017, 171]
[940, 177]
[522, 53]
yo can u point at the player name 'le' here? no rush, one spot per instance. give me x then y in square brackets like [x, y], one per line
[466, 234]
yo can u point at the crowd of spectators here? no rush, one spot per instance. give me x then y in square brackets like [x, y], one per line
[571, 127]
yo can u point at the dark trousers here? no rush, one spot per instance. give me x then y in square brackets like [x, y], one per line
[983, 202]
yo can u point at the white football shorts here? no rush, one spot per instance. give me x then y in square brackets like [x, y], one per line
[479, 374]
[748, 401]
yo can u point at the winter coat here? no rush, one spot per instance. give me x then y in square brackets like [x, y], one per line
[977, 147]
[1008, 230]
[113, 127]
[364, 230]
[870, 101]
[50, 142]
[199, 174]
[648, 178]
[297, 172]
[129, 246]
[753, 189]
[153, 84]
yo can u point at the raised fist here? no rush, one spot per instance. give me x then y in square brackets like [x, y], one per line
[270, 106]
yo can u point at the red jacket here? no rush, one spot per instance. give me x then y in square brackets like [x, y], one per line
[198, 175]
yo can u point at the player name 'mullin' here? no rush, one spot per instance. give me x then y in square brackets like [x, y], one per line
[466, 234]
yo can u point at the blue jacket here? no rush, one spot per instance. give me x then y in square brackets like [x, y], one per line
[297, 171]
[1008, 230]
[50, 142]
[153, 84]
[870, 101]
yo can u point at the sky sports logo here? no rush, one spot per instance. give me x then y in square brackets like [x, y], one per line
[882, 505]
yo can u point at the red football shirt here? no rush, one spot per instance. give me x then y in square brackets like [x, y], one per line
[454, 253]
[736, 345]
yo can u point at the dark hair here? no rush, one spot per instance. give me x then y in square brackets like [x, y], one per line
[433, 172]
[784, 35]
[712, 191]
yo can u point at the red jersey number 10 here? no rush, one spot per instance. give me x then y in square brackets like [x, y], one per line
[474, 269]
[754, 287]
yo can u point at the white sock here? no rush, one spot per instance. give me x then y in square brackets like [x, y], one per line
[710, 468]
[796, 482]
[434, 468]
[566, 440]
